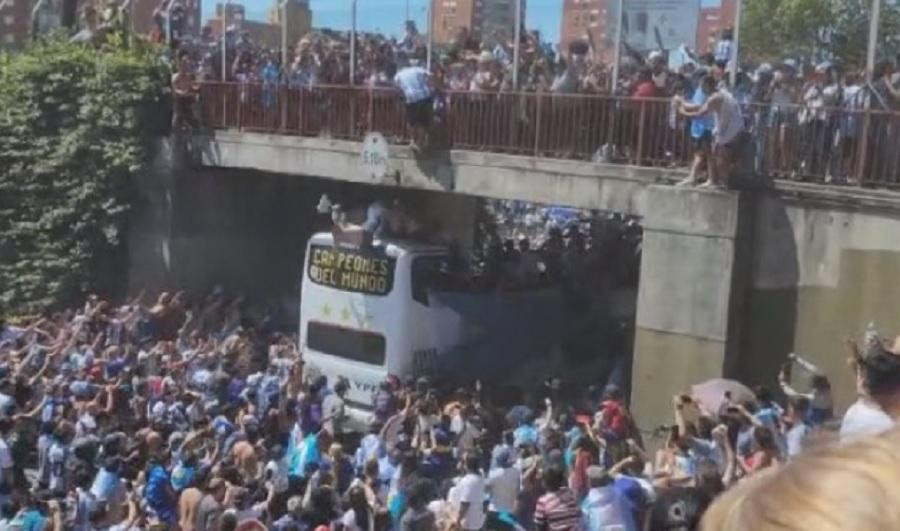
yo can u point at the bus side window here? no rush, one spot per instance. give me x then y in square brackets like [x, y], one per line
[425, 271]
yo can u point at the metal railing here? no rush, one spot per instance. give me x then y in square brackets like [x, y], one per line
[826, 145]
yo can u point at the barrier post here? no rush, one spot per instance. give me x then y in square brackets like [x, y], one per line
[640, 146]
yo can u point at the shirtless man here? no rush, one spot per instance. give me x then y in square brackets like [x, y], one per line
[184, 89]
[729, 124]
[187, 507]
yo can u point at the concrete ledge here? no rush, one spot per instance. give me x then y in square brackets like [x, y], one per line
[611, 187]
[583, 184]
[698, 212]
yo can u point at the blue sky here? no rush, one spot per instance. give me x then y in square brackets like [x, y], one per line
[387, 15]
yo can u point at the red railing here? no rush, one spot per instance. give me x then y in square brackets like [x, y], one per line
[787, 142]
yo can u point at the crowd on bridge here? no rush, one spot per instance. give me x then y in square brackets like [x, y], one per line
[202, 416]
[806, 120]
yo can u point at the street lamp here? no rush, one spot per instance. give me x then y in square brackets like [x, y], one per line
[224, 46]
[169, 23]
[352, 41]
[284, 37]
[517, 36]
[430, 15]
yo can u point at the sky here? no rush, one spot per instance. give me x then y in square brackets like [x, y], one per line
[387, 16]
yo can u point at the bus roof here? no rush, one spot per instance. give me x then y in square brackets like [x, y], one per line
[392, 245]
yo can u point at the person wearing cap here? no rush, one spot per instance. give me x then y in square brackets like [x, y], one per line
[604, 508]
[878, 387]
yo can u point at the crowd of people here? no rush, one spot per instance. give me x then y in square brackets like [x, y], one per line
[187, 416]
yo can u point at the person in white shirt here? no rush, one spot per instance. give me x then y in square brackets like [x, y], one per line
[795, 417]
[503, 484]
[470, 493]
[6, 463]
[878, 385]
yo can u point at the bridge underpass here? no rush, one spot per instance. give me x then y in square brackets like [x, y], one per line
[731, 282]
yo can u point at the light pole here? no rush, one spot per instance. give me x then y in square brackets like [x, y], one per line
[35, 27]
[738, 7]
[224, 40]
[284, 38]
[169, 23]
[620, 14]
[352, 41]
[517, 36]
[430, 14]
[874, 22]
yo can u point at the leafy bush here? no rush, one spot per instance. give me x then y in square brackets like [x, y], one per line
[75, 125]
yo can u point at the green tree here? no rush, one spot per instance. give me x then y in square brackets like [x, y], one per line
[815, 30]
[75, 123]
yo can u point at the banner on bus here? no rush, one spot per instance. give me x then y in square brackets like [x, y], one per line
[660, 24]
[369, 271]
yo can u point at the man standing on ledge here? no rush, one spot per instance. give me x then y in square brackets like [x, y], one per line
[415, 82]
[728, 126]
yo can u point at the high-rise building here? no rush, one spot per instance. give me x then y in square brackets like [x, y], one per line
[142, 15]
[299, 19]
[592, 21]
[15, 19]
[490, 21]
[713, 20]
[298, 16]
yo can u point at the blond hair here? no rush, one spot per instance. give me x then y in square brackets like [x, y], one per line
[836, 488]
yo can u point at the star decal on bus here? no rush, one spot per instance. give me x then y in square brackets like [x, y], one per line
[345, 314]
[326, 310]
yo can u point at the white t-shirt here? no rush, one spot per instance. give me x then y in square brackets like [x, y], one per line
[795, 438]
[6, 461]
[278, 474]
[349, 522]
[57, 458]
[470, 489]
[864, 418]
[503, 484]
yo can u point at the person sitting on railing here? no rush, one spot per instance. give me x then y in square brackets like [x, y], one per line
[727, 133]
[415, 82]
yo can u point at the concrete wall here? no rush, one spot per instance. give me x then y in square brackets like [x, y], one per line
[822, 271]
[608, 187]
[731, 283]
[690, 292]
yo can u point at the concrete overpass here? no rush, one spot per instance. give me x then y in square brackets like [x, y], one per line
[731, 282]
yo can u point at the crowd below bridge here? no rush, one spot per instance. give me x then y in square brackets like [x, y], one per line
[202, 416]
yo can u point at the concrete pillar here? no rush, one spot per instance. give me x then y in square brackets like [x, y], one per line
[694, 270]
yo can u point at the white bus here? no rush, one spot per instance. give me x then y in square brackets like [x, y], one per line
[364, 313]
[373, 310]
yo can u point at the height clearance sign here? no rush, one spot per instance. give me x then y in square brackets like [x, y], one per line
[370, 272]
[660, 24]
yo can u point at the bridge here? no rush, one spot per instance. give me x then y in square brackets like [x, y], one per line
[731, 281]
